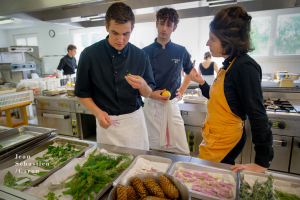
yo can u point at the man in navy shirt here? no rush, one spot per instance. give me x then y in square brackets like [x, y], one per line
[164, 122]
[68, 62]
[112, 76]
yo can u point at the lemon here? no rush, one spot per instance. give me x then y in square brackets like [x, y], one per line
[166, 93]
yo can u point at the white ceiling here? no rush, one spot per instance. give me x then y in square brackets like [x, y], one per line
[20, 23]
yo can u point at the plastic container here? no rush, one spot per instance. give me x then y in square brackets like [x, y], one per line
[17, 97]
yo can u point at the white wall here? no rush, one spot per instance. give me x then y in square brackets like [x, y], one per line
[48, 46]
[3, 38]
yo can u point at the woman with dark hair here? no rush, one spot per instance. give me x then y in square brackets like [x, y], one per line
[235, 94]
[207, 68]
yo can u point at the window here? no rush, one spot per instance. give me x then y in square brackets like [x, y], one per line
[26, 40]
[260, 35]
[83, 38]
[288, 35]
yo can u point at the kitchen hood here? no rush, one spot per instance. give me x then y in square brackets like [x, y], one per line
[87, 13]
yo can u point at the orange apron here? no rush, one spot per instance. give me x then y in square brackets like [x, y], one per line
[222, 129]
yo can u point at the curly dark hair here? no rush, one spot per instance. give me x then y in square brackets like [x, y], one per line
[232, 26]
[169, 14]
[121, 13]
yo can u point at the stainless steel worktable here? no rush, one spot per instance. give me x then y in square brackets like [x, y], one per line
[173, 157]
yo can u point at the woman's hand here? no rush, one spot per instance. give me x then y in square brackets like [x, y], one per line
[251, 167]
[196, 77]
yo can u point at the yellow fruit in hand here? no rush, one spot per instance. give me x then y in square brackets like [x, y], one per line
[166, 93]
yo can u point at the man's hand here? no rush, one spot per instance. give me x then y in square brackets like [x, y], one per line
[103, 119]
[136, 82]
[157, 96]
[251, 167]
[196, 77]
[178, 95]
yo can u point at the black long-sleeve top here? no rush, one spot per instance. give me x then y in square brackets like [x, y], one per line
[243, 92]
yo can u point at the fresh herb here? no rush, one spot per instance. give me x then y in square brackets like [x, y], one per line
[259, 192]
[57, 155]
[286, 196]
[51, 196]
[11, 181]
[94, 174]
[38, 174]
[1, 146]
[128, 74]
[43, 164]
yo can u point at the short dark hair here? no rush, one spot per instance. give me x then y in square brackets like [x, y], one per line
[121, 13]
[232, 25]
[71, 47]
[169, 14]
[207, 55]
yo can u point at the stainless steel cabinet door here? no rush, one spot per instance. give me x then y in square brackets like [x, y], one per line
[62, 121]
[282, 150]
[295, 162]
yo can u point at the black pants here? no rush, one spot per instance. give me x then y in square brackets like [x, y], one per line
[235, 152]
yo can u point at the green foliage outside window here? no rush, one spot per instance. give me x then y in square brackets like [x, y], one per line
[260, 34]
[288, 35]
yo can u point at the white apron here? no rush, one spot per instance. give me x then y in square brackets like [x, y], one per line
[161, 116]
[131, 132]
[209, 79]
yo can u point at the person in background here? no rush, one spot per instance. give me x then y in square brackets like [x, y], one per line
[68, 62]
[235, 94]
[112, 76]
[164, 122]
[207, 67]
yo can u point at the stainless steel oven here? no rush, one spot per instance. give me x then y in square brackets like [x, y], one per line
[284, 120]
[59, 114]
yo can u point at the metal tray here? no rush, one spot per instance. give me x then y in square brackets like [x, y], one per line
[198, 167]
[100, 194]
[147, 157]
[286, 178]
[26, 147]
[43, 146]
[17, 136]
[183, 191]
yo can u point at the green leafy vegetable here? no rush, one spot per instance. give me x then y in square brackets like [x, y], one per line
[11, 181]
[1, 146]
[94, 174]
[58, 154]
[259, 192]
[37, 174]
[51, 196]
[286, 196]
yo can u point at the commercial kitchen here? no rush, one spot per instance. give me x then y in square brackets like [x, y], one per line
[40, 114]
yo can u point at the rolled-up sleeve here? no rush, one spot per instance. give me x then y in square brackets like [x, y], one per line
[61, 64]
[83, 86]
[187, 63]
[148, 75]
[248, 85]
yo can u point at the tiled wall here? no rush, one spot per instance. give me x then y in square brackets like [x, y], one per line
[292, 66]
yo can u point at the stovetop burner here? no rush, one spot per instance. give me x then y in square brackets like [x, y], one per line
[279, 106]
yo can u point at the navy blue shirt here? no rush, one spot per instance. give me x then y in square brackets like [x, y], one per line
[68, 64]
[167, 64]
[101, 76]
[243, 92]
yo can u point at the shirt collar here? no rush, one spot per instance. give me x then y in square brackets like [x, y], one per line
[227, 62]
[114, 51]
[160, 46]
[69, 56]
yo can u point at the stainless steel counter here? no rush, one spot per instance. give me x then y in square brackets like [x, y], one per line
[173, 157]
